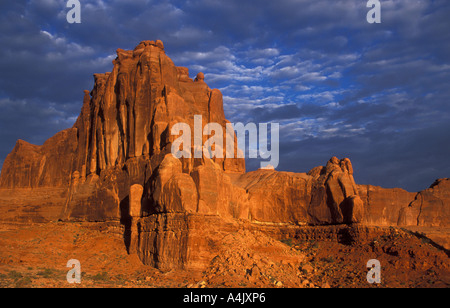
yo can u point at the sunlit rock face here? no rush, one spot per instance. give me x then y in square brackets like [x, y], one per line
[116, 164]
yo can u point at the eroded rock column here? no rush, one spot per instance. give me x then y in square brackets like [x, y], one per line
[135, 197]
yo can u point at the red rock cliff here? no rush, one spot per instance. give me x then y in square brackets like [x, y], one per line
[115, 164]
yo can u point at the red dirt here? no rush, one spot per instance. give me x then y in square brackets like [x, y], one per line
[36, 256]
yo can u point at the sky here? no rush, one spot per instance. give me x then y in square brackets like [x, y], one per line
[378, 94]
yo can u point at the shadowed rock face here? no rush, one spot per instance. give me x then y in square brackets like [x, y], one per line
[115, 164]
[430, 207]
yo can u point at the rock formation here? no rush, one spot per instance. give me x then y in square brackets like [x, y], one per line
[383, 205]
[430, 207]
[115, 164]
[326, 195]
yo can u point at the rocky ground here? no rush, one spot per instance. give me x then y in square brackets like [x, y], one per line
[36, 256]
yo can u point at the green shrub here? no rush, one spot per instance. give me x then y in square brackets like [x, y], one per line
[24, 282]
[14, 275]
[46, 273]
[288, 242]
[329, 259]
[100, 277]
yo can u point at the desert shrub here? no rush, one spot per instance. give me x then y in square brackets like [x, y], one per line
[24, 282]
[103, 276]
[288, 242]
[329, 259]
[14, 275]
[46, 273]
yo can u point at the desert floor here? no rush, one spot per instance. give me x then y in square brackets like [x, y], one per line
[35, 256]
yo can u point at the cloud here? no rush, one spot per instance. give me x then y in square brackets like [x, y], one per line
[33, 121]
[336, 84]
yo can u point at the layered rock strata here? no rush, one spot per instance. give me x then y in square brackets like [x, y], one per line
[115, 164]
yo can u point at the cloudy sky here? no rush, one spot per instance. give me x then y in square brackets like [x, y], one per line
[339, 86]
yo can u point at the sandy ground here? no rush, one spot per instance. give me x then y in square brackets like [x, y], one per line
[35, 256]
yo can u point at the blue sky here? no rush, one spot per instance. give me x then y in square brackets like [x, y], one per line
[376, 93]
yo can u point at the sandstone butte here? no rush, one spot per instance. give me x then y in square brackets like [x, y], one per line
[115, 165]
